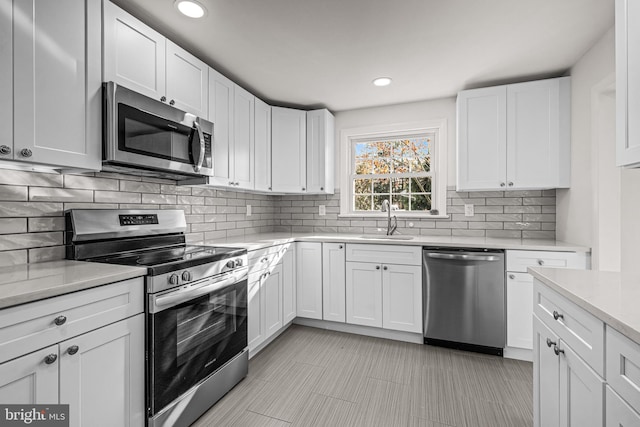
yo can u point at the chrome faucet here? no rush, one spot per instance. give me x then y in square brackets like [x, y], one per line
[387, 208]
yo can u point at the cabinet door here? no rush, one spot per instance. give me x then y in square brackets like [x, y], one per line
[273, 300]
[402, 297]
[581, 392]
[221, 114]
[262, 162]
[364, 294]
[288, 150]
[333, 281]
[519, 310]
[6, 79]
[29, 379]
[243, 154]
[627, 83]
[187, 81]
[320, 148]
[255, 314]
[546, 377]
[537, 140]
[619, 413]
[134, 54]
[57, 55]
[309, 283]
[289, 284]
[105, 369]
[482, 139]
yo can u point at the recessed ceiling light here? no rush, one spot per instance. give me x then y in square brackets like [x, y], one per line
[382, 81]
[191, 8]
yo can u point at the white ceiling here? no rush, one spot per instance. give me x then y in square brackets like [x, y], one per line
[325, 53]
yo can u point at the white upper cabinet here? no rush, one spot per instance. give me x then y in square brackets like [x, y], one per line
[628, 83]
[50, 55]
[241, 158]
[143, 60]
[320, 149]
[514, 137]
[262, 150]
[288, 150]
[221, 114]
[187, 81]
[134, 54]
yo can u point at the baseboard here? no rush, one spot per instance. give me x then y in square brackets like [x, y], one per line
[518, 353]
[360, 330]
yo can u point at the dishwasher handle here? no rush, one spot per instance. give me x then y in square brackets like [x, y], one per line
[461, 257]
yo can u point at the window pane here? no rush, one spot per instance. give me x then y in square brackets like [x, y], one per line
[400, 185]
[420, 147]
[362, 202]
[402, 148]
[401, 201]
[364, 167]
[362, 186]
[421, 202]
[365, 150]
[377, 201]
[383, 148]
[401, 165]
[381, 165]
[421, 185]
[381, 186]
[422, 164]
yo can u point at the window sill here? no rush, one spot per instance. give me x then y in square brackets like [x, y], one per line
[398, 214]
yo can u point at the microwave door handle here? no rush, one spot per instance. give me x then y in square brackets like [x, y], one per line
[179, 297]
[198, 166]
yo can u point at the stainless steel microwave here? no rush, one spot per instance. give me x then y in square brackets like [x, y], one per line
[152, 138]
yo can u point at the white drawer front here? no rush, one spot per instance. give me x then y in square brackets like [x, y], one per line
[384, 254]
[266, 259]
[618, 412]
[583, 332]
[623, 367]
[519, 260]
[28, 327]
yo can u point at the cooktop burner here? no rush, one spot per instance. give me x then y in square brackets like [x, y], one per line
[162, 260]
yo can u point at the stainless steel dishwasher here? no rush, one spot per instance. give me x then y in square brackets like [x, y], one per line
[464, 299]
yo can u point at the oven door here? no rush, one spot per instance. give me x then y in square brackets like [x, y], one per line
[193, 331]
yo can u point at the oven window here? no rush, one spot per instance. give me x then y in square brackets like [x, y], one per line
[204, 324]
[144, 133]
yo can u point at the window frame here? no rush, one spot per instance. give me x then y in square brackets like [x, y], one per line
[348, 138]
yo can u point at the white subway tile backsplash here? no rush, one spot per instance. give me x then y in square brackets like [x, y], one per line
[29, 209]
[13, 192]
[13, 225]
[46, 224]
[90, 183]
[44, 194]
[38, 179]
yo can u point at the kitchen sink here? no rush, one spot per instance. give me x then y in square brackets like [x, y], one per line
[385, 237]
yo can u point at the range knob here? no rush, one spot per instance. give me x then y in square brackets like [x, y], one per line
[174, 279]
[239, 262]
[231, 264]
[186, 276]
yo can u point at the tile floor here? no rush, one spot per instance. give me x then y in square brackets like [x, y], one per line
[313, 377]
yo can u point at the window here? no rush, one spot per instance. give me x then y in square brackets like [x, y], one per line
[401, 164]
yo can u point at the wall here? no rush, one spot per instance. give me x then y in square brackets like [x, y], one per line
[32, 206]
[575, 220]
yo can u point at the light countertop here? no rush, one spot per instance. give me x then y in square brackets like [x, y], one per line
[611, 297]
[25, 283]
[259, 241]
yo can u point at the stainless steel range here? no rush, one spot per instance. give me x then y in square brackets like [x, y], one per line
[196, 309]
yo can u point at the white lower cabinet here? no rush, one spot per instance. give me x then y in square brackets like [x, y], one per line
[402, 297]
[255, 312]
[289, 302]
[519, 310]
[102, 366]
[364, 294]
[309, 279]
[618, 412]
[333, 282]
[273, 312]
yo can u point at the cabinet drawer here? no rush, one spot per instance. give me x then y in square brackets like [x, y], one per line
[519, 260]
[266, 259]
[623, 367]
[583, 332]
[618, 412]
[384, 254]
[28, 327]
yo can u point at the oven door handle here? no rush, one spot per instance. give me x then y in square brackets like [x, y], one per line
[179, 297]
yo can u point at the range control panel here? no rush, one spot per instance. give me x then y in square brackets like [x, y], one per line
[138, 219]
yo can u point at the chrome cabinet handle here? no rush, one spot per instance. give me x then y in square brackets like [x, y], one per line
[60, 320]
[304, 189]
[550, 343]
[73, 349]
[540, 262]
[5, 149]
[163, 98]
[385, 268]
[269, 188]
[511, 184]
[502, 184]
[340, 247]
[557, 315]
[512, 276]
[377, 267]
[25, 152]
[172, 102]
[265, 259]
[557, 350]
[51, 358]
[321, 188]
